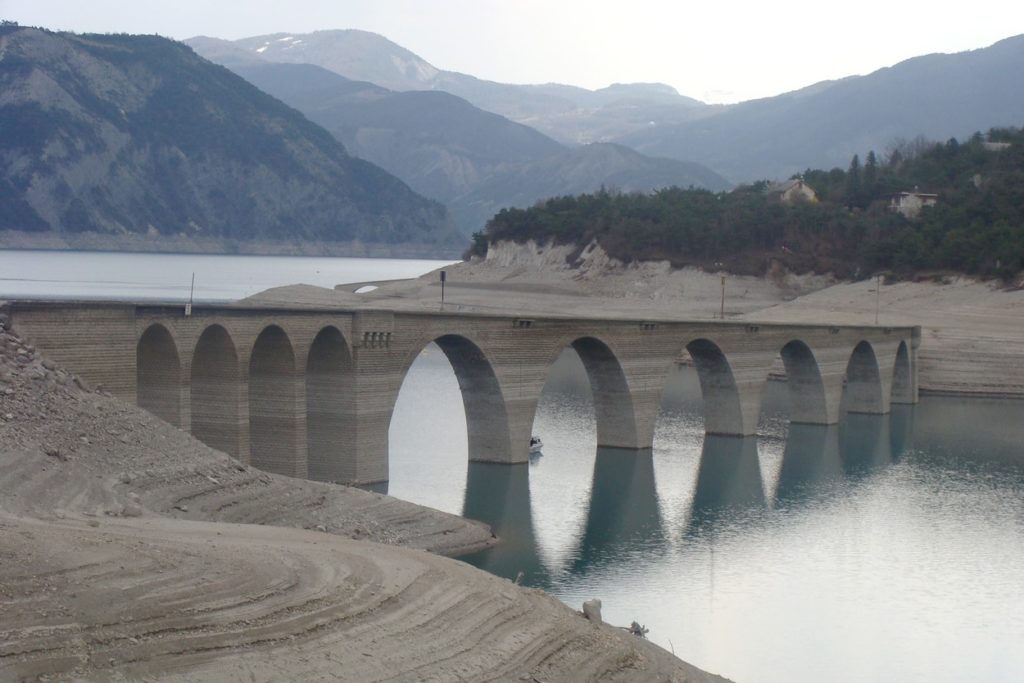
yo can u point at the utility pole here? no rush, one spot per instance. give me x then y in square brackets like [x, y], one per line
[721, 310]
[878, 295]
[191, 291]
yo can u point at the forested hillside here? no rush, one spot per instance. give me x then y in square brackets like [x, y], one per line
[976, 226]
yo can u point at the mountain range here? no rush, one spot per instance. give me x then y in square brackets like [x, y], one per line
[821, 126]
[120, 135]
[473, 161]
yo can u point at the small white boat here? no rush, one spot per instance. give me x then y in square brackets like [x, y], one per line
[535, 444]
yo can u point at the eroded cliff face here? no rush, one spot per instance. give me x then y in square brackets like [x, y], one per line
[114, 134]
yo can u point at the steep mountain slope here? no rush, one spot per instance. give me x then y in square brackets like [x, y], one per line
[938, 96]
[474, 161]
[119, 134]
[569, 114]
[438, 143]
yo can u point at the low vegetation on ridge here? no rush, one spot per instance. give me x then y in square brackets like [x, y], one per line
[975, 227]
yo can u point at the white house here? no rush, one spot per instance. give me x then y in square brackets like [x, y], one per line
[910, 203]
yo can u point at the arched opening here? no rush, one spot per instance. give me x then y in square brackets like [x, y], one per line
[613, 403]
[487, 428]
[449, 409]
[594, 492]
[902, 382]
[215, 391]
[328, 408]
[864, 382]
[561, 474]
[272, 411]
[722, 412]
[808, 403]
[158, 374]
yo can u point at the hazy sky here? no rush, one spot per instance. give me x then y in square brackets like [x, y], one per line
[715, 50]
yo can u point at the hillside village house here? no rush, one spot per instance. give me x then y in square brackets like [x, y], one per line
[792, 190]
[910, 203]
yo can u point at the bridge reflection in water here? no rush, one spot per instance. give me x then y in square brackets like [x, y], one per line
[624, 516]
[727, 548]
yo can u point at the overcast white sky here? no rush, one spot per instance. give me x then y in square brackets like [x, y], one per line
[716, 51]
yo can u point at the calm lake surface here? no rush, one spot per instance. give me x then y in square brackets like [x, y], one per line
[168, 277]
[884, 549]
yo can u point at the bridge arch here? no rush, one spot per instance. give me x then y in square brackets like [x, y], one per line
[613, 401]
[329, 407]
[723, 413]
[864, 381]
[808, 400]
[272, 405]
[902, 377]
[487, 420]
[158, 374]
[215, 393]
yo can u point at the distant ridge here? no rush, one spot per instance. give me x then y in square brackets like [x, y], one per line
[823, 125]
[474, 161]
[569, 114]
[938, 96]
[138, 136]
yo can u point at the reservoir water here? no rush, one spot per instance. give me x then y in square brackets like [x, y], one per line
[168, 277]
[887, 548]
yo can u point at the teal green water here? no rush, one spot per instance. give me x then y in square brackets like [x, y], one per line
[887, 548]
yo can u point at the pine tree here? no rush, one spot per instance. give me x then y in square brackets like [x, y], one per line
[853, 182]
[870, 185]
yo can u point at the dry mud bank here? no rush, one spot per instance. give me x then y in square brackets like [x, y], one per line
[972, 339]
[130, 551]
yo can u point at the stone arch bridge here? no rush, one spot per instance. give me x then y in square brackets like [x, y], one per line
[310, 393]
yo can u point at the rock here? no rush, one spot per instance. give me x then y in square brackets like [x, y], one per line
[131, 510]
[592, 610]
[183, 508]
[49, 364]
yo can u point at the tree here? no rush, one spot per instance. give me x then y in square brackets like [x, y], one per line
[853, 182]
[870, 176]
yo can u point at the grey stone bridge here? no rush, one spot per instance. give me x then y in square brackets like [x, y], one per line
[310, 393]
